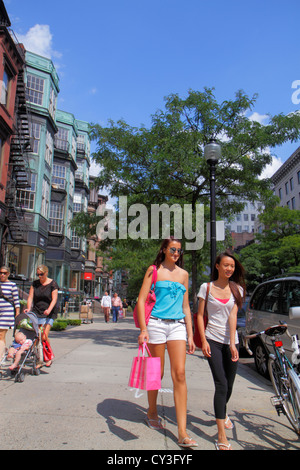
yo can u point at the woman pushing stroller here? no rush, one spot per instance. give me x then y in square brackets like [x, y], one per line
[42, 300]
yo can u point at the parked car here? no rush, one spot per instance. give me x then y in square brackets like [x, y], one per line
[269, 304]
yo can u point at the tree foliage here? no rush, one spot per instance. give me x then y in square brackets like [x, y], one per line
[165, 162]
[278, 245]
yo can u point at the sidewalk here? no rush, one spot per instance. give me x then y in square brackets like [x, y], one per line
[83, 401]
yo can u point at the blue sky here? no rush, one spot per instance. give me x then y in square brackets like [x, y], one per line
[120, 58]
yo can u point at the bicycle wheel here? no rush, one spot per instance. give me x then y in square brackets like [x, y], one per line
[293, 400]
[287, 389]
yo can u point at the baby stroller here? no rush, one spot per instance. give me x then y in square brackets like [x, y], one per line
[27, 323]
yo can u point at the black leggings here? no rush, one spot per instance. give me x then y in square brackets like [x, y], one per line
[224, 371]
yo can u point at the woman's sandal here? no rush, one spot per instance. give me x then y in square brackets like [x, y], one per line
[228, 423]
[187, 442]
[220, 444]
[155, 424]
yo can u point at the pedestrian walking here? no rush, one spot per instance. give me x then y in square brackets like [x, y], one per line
[106, 305]
[125, 307]
[170, 326]
[220, 339]
[116, 305]
[9, 305]
[42, 300]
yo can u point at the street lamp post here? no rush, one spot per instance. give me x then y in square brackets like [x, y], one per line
[212, 153]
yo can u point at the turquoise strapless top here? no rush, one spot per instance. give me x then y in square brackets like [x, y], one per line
[169, 299]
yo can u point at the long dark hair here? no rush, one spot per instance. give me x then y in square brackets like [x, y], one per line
[237, 278]
[161, 256]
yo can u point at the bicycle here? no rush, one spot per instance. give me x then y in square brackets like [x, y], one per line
[284, 374]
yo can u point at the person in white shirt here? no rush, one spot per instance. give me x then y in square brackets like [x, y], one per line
[106, 305]
[220, 339]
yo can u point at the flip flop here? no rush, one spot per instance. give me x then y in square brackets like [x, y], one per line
[220, 444]
[154, 423]
[187, 442]
[228, 423]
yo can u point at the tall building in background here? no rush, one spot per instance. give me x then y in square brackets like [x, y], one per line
[286, 182]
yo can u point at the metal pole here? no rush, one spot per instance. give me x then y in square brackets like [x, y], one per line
[213, 237]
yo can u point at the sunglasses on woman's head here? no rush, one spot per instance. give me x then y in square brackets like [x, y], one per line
[173, 250]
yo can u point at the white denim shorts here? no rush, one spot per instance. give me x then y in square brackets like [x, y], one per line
[162, 331]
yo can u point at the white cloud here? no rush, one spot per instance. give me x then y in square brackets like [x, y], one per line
[271, 168]
[258, 117]
[93, 91]
[39, 40]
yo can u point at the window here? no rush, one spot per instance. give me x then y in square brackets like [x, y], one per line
[246, 217]
[71, 184]
[257, 298]
[52, 103]
[271, 298]
[79, 171]
[45, 198]
[59, 176]
[286, 188]
[75, 244]
[252, 217]
[290, 296]
[292, 184]
[62, 139]
[5, 88]
[80, 143]
[293, 203]
[280, 193]
[298, 176]
[49, 148]
[56, 221]
[69, 231]
[77, 204]
[35, 89]
[35, 132]
[25, 197]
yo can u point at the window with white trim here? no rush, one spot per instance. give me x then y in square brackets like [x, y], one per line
[25, 197]
[35, 132]
[71, 184]
[52, 103]
[59, 176]
[77, 203]
[45, 198]
[35, 89]
[5, 88]
[81, 142]
[56, 220]
[79, 171]
[62, 139]
[49, 148]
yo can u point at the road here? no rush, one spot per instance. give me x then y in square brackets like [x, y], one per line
[83, 402]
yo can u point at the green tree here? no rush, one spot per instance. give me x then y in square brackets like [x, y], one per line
[278, 246]
[165, 162]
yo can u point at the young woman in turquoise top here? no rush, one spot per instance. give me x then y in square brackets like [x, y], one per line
[170, 325]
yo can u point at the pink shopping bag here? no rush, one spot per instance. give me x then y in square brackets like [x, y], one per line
[145, 371]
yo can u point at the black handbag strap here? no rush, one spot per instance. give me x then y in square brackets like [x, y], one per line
[5, 298]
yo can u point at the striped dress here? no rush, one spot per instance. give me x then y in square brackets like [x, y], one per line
[7, 313]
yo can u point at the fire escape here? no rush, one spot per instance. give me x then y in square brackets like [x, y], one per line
[19, 169]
